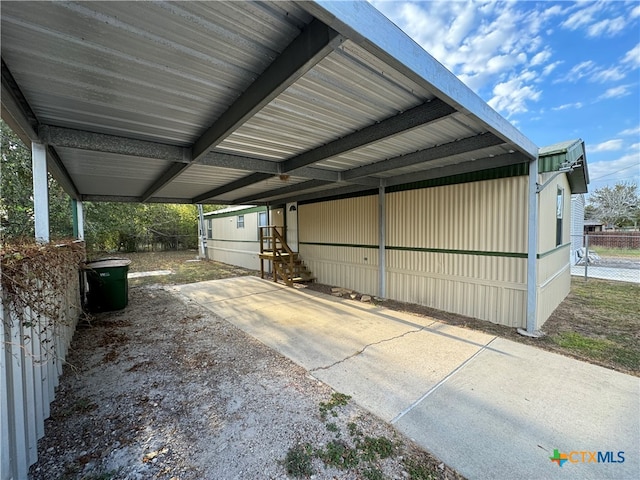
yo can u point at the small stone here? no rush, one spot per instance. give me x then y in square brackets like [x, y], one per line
[353, 296]
[365, 298]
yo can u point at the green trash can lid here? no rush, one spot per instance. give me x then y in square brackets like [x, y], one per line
[108, 263]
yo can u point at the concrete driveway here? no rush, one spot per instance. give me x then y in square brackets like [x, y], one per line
[488, 407]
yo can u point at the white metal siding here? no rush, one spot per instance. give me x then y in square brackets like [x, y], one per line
[347, 233]
[458, 248]
[233, 245]
[31, 359]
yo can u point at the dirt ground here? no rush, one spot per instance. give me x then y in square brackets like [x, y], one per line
[164, 389]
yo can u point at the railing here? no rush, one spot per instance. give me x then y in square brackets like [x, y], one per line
[283, 268]
[38, 315]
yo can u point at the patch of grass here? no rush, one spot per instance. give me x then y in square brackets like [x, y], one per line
[420, 471]
[576, 341]
[617, 300]
[373, 473]
[298, 461]
[378, 447]
[616, 252]
[337, 400]
[183, 264]
[356, 452]
[332, 427]
[338, 454]
[599, 348]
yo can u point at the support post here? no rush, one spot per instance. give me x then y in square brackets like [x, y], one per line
[203, 234]
[40, 191]
[78, 219]
[532, 248]
[382, 253]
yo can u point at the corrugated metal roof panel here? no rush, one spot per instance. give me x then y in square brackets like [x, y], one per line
[170, 73]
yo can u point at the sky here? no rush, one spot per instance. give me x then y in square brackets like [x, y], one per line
[556, 70]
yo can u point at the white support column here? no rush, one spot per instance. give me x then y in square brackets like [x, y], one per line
[532, 248]
[382, 253]
[40, 191]
[203, 234]
[79, 219]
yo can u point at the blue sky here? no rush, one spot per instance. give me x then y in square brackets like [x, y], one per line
[556, 70]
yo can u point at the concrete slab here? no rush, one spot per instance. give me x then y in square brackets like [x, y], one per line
[488, 407]
[503, 415]
[388, 377]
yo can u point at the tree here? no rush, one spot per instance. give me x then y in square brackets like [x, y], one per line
[618, 205]
[16, 189]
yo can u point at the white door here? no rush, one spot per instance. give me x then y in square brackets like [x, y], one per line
[292, 225]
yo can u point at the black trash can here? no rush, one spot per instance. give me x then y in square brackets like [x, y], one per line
[108, 284]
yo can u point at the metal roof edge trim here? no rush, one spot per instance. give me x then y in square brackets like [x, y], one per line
[369, 28]
[234, 211]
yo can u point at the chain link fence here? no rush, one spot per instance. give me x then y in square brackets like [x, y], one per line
[606, 255]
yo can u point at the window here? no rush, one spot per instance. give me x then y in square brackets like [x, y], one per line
[209, 228]
[240, 221]
[559, 211]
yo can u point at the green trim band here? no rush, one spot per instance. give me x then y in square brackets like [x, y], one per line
[420, 249]
[351, 245]
[480, 253]
[554, 250]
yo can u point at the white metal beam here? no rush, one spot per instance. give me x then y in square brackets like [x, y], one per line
[532, 248]
[40, 191]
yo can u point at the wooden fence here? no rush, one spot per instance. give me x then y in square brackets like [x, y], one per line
[615, 239]
[32, 352]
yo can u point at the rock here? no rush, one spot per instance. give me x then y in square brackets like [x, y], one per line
[365, 298]
[353, 296]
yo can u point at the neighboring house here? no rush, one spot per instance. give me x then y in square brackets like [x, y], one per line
[591, 226]
[577, 225]
[457, 244]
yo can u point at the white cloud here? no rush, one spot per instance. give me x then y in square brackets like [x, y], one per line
[631, 131]
[495, 48]
[632, 57]
[598, 19]
[608, 146]
[635, 12]
[540, 57]
[616, 92]
[607, 27]
[567, 106]
[635, 147]
[511, 96]
[625, 168]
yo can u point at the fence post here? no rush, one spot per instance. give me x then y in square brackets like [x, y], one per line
[586, 256]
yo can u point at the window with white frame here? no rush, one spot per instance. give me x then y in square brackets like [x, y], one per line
[559, 215]
[240, 221]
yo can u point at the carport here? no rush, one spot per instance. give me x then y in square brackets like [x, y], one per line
[240, 102]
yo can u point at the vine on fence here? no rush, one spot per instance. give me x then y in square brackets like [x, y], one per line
[35, 284]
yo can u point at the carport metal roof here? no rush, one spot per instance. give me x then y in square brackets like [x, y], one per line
[238, 102]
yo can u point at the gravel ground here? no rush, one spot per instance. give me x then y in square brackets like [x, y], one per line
[164, 389]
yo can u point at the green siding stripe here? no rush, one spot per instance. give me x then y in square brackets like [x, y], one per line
[516, 170]
[480, 253]
[554, 250]
[419, 249]
[349, 245]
